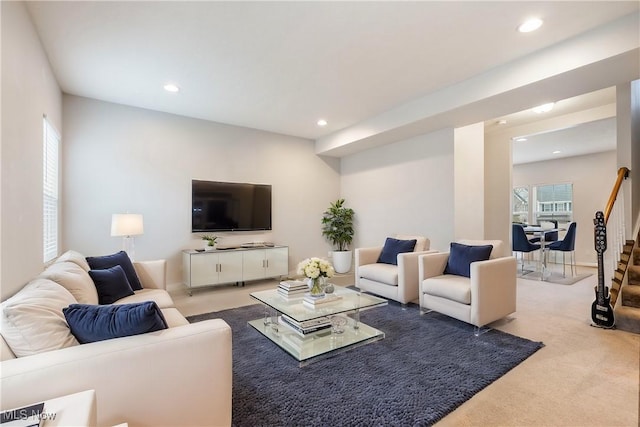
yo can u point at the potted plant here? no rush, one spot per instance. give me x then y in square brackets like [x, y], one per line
[210, 242]
[337, 228]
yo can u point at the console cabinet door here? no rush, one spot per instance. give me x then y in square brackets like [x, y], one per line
[229, 267]
[253, 264]
[277, 262]
[204, 269]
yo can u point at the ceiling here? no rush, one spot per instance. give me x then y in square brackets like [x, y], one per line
[281, 66]
[592, 134]
[587, 138]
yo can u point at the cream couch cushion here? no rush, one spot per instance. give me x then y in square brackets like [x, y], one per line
[32, 321]
[160, 296]
[76, 258]
[451, 287]
[379, 272]
[173, 317]
[74, 279]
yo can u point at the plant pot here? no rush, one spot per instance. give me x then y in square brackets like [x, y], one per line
[342, 261]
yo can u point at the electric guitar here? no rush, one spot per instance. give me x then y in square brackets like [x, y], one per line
[601, 311]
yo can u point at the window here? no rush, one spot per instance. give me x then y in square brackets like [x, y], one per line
[553, 203]
[520, 205]
[51, 142]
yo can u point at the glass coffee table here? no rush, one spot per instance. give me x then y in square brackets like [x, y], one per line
[288, 322]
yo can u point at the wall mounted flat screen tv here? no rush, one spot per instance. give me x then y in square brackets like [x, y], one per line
[230, 206]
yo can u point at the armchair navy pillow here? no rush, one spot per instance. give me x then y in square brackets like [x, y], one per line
[91, 323]
[393, 247]
[461, 256]
[120, 258]
[111, 284]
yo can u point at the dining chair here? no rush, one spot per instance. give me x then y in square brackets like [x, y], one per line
[549, 236]
[565, 245]
[521, 243]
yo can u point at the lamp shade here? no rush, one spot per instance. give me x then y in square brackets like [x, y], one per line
[126, 225]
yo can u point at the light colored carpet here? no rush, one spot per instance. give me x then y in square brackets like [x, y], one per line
[556, 278]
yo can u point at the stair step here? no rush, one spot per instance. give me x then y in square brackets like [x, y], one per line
[630, 296]
[624, 257]
[628, 319]
[634, 274]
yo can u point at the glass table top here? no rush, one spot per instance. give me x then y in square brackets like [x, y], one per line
[312, 346]
[348, 301]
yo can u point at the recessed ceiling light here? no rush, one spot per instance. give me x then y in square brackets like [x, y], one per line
[170, 87]
[530, 25]
[545, 108]
[322, 122]
[520, 139]
[502, 122]
[557, 152]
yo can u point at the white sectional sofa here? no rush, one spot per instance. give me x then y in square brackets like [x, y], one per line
[179, 376]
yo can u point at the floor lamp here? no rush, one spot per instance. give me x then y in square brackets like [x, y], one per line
[127, 226]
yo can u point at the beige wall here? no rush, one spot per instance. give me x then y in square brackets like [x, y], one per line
[120, 159]
[402, 188]
[29, 91]
[592, 177]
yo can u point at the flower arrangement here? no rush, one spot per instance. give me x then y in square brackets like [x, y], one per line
[314, 269]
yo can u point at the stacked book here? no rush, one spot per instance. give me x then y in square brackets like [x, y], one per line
[292, 289]
[319, 302]
[306, 327]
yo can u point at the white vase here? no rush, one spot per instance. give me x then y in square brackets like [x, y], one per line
[342, 261]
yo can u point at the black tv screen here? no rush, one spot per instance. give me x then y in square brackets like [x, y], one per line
[230, 206]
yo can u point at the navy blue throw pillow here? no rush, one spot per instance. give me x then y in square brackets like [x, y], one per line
[461, 256]
[90, 323]
[393, 247]
[111, 284]
[120, 258]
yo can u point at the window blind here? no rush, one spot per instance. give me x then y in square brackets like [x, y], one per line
[51, 143]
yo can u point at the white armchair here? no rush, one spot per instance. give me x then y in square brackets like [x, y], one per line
[487, 295]
[397, 282]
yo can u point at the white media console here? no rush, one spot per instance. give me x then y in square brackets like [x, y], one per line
[237, 265]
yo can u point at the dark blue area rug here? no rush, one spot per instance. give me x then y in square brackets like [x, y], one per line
[425, 368]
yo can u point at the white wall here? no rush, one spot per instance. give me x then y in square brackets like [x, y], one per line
[402, 188]
[469, 181]
[119, 159]
[29, 91]
[592, 177]
[497, 192]
[635, 149]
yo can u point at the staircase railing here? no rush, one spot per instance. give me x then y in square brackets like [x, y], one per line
[615, 222]
[623, 173]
